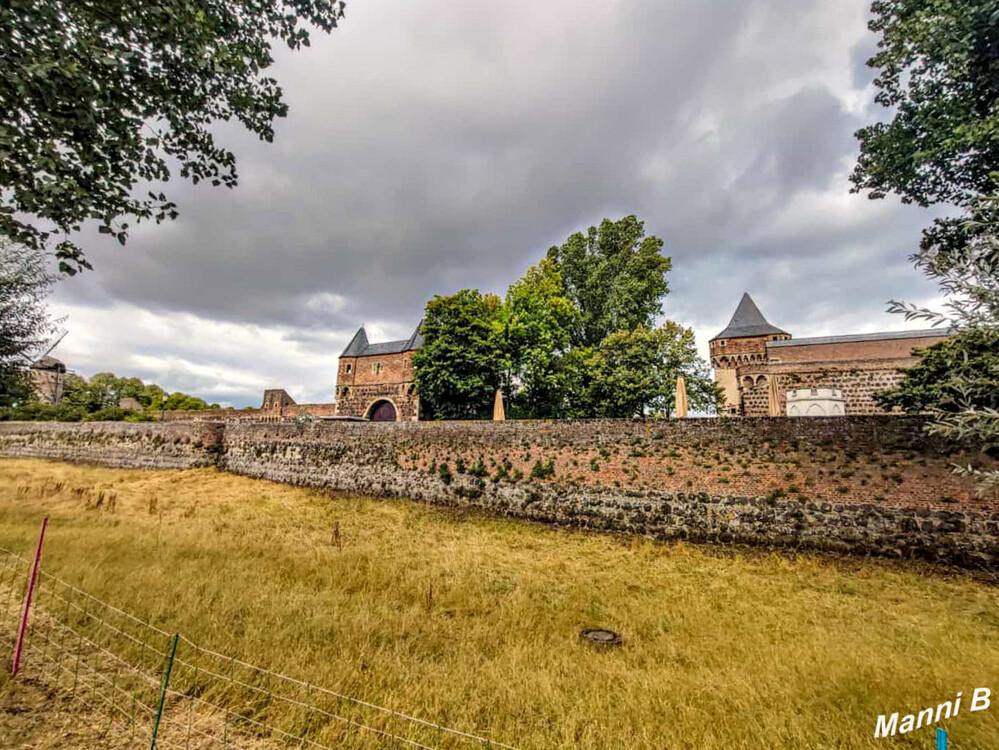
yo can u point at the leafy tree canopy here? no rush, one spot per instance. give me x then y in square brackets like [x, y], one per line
[938, 72]
[24, 320]
[951, 375]
[459, 366]
[554, 344]
[615, 276]
[534, 325]
[958, 379]
[105, 390]
[97, 97]
[634, 373]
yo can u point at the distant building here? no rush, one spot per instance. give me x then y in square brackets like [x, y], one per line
[751, 352]
[130, 403]
[48, 378]
[276, 399]
[375, 381]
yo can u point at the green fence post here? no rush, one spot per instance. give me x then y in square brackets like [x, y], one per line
[163, 690]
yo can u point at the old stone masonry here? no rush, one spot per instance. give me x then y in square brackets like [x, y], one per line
[766, 372]
[869, 485]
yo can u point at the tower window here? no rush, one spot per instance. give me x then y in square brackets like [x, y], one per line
[376, 368]
[347, 370]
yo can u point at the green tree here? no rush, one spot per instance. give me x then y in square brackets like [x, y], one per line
[534, 325]
[459, 366]
[615, 276]
[152, 396]
[952, 375]
[24, 319]
[938, 72]
[104, 391]
[183, 402]
[633, 373]
[76, 393]
[97, 97]
[958, 380]
[678, 352]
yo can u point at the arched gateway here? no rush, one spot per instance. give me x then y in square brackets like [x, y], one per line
[382, 410]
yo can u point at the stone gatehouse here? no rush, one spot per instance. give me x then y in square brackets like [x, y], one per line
[755, 360]
[375, 381]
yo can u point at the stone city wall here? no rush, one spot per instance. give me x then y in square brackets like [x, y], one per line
[126, 445]
[875, 485]
[289, 412]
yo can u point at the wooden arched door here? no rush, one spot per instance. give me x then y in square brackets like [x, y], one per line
[382, 411]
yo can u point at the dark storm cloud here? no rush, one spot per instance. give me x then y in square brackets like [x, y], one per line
[437, 145]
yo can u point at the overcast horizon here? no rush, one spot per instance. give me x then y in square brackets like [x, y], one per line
[441, 145]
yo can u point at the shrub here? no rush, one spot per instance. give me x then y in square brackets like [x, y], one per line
[34, 411]
[444, 472]
[108, 414]
[543, 471]
[774, 495]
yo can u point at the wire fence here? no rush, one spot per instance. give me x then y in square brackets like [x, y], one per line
[160, 690]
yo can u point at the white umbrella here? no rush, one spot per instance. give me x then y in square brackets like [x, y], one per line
[498, 414]
[681, 398]
[773, 397]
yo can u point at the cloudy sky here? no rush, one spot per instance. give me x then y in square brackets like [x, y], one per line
[436, 145]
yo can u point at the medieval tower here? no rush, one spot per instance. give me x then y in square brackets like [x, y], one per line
[743, 342]
[761, 368]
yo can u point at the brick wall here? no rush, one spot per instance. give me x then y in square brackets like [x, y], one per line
[725, 352]
[361, 381]
[858, 381]
[255, 415]
[853, 351]
[870, 485]
[864, 484]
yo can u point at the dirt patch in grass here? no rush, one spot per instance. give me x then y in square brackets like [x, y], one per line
[36, 718]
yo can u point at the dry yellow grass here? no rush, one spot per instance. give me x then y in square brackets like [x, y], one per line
[722, 649]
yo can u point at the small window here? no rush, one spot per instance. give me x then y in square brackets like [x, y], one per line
[376, 368]
[348, 368]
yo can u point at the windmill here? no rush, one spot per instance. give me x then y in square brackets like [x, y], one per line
[48, 375]
[56, 340]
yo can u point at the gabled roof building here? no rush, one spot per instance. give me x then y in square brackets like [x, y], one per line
[375, 381]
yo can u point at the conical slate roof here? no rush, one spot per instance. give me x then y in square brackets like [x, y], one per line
[748, 321]
[357, 344]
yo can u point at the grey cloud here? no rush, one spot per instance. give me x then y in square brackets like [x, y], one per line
[432, 146]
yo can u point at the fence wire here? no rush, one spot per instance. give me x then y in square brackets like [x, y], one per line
[148, 684]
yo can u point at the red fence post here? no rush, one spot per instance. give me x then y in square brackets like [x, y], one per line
[32, 582]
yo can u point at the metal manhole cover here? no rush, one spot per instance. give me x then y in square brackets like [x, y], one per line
[600, 637]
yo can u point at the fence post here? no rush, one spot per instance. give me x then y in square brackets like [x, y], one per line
[163, 690]
[941, 739]
[32, 582]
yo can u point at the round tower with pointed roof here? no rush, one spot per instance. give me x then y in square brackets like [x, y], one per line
[742, 342]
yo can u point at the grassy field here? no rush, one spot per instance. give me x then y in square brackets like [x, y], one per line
[474, 621]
